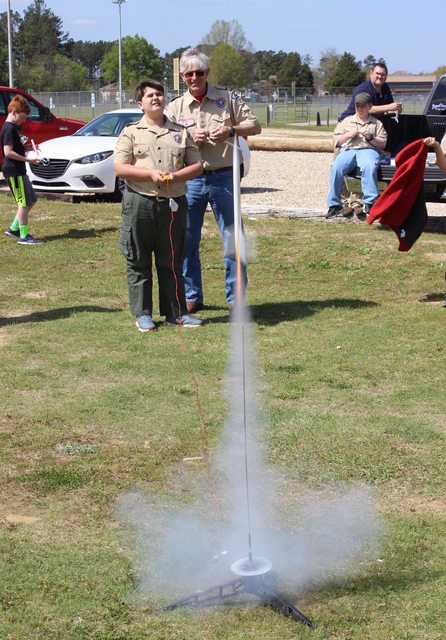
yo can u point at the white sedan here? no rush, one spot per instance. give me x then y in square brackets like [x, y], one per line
[83, 162]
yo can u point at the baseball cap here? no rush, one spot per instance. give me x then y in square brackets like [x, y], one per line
[363, 98]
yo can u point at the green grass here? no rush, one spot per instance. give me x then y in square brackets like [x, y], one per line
[349, 339]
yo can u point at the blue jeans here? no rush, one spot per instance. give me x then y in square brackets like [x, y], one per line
[368, 161]
[217, 189]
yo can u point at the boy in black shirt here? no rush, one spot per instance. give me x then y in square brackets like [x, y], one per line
[14, 170]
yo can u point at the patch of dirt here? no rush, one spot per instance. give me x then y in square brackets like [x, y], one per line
[5, 339]
[15, 518]
[426, 505]
[35, 294]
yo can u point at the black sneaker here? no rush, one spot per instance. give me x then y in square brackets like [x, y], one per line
[12, 233]
[334, 211]
[29, 240]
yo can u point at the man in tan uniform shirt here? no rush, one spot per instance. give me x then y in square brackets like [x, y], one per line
[213, 115]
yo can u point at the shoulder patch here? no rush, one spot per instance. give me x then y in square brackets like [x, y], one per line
[235, 95]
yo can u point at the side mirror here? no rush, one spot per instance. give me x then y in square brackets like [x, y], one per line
[47, 117]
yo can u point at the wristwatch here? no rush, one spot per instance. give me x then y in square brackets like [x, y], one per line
[371, 137]
[232, 132]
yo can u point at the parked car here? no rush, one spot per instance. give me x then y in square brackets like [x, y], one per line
[83, 162]
[41, 124]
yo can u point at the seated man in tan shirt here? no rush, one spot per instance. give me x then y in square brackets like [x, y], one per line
[361, 138]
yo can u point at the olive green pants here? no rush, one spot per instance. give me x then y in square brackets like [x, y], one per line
[147, 227]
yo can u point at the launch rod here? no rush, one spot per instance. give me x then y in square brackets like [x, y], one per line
[239, 303]
[237, 201]
[246, 446]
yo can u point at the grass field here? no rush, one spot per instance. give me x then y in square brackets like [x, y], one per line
[349, 339]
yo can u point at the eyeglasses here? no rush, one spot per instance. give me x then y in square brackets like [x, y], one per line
[198, 74]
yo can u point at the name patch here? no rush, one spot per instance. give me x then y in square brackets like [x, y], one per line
[186, 122]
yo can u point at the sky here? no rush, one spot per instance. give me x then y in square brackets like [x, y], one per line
[406, 36]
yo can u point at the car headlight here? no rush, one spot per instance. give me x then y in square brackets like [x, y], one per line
[95, 157]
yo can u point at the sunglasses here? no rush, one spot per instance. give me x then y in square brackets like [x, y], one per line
[198, 74]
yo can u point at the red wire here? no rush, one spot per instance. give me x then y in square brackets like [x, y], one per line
[189, 369]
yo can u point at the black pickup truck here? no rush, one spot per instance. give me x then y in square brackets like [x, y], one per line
[408, 128]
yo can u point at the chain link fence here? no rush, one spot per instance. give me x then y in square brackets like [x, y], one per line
[276, 106]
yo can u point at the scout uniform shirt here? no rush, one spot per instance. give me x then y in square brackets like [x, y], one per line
[219, 107]
[167, 150]
[353, 123]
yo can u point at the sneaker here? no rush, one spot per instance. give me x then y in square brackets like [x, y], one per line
[145, 323]
[13, 234]
[185, 321]
[194, 305]
[29, 240]
[334, 211]
[444, 302]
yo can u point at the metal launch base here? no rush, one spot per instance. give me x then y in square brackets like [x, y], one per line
[250, 580]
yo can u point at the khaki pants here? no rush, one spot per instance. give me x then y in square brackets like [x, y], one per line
[146, 229]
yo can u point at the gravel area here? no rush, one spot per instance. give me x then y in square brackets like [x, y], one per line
[293, 183]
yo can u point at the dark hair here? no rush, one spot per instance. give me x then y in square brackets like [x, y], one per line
[380, 64]
[19, 104]
[141, 88]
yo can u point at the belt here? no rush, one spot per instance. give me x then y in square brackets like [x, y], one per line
[217, 170]
[157, 198]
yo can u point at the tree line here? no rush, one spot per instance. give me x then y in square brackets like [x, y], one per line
[45, 58]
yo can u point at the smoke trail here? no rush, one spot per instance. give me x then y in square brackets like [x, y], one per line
[317, 537]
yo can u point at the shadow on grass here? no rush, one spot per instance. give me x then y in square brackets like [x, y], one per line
[273, 313]
[80, 234]
[54, 314]
[432, 297]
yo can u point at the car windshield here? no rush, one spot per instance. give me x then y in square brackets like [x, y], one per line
[109, 124]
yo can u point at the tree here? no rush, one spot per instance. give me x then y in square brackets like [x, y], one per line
[4, 54]
[369, 61]
[69, 75]
[39, 39]
[268, 63]
[348, 73]
[231, 33]
[140, 60]
[293, 69]
[90, 55]
[227, 67]
[40, 34]
[439, 70]
[327, 64]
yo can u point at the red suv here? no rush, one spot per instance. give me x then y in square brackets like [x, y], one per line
[41, 124]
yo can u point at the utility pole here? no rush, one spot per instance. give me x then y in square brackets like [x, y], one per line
[119, 2]
[11, 77]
